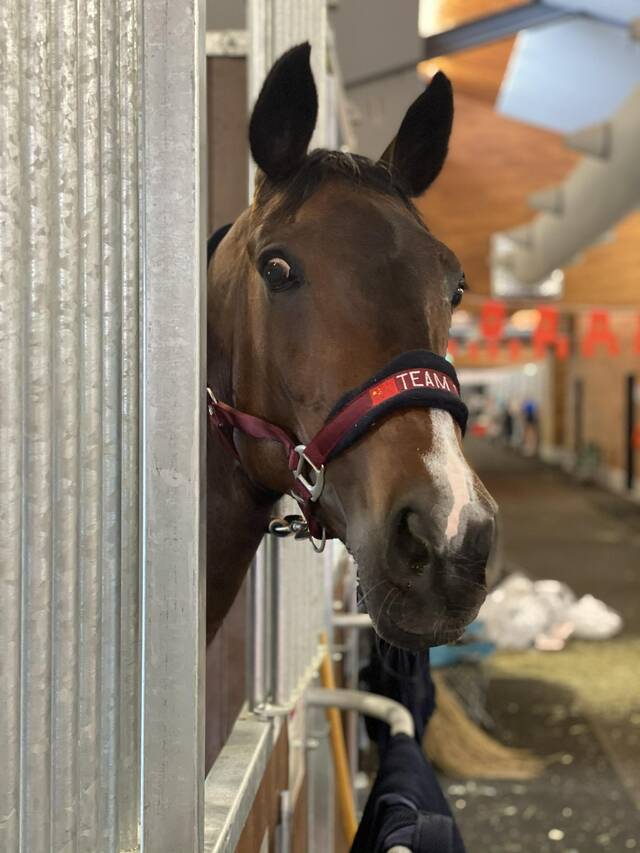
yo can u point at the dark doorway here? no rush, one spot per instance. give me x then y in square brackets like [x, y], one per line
[630, 429]
[578, 416]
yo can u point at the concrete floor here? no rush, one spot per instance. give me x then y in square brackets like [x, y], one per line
[579, 708]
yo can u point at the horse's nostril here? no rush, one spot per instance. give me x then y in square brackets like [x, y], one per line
[411, 542]
[417, 526]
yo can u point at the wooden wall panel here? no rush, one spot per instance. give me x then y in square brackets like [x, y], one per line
[603, 379]
[265, 812]
[300, 828]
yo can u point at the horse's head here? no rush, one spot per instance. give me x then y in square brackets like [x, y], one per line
[327, 277]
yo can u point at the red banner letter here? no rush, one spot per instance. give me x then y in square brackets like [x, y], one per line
[599, 333]
[546, 334]
[492, 319]
[514, 349]
[473, 350]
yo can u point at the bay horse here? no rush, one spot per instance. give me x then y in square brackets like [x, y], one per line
[328, 279]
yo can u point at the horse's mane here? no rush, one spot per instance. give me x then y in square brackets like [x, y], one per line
[321, 165]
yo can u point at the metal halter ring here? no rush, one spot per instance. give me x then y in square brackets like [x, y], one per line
[315, 488]
[319, 548]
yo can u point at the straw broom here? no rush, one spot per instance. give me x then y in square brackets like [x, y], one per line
[457, 745]
[460, 748]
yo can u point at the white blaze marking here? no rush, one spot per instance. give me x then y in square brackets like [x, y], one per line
[449, 469]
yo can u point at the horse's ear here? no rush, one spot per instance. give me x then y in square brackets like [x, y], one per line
[420, 147]
[284, 116]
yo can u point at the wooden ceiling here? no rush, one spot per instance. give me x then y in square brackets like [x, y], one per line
[608, 274]
[476, 72]
[445, 14]
[494, 163]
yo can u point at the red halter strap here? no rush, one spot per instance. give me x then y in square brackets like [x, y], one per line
[411, 387]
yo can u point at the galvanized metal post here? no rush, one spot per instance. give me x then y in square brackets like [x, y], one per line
[173, 427]
[100, 185]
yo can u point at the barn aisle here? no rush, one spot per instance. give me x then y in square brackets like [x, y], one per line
[578, 708]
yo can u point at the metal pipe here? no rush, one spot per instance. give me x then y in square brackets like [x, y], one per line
[257, 611]
[344, 787]
[285, 826]
[528, 255]
[351, 620]
[389, 711]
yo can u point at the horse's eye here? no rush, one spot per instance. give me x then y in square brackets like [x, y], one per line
[276, 273]
[456, 299]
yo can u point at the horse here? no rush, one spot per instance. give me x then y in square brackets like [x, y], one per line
[329, 288]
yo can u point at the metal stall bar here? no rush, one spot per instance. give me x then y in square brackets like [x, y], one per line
[129, 103]
[12, 300]
[275, 26]
[173, 426]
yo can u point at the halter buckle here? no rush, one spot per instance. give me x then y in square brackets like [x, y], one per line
[314, 488]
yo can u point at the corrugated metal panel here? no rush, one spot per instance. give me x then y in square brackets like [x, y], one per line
[277, 25]
[301, 608]
[71, 127]
[299, 594]
[68, 363]
[289, 599]
[12, 309]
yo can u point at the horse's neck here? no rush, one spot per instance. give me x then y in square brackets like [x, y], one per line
[236, 517]
[235, 525]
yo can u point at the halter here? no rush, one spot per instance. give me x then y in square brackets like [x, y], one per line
[415, 379]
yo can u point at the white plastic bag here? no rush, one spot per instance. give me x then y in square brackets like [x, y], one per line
[521, 613]
[593, 619]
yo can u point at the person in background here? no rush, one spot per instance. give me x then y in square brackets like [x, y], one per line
[507, 425]
[530, 423]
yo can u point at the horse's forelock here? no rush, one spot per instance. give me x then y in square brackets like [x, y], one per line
[322, 165]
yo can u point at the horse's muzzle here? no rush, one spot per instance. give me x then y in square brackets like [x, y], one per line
[424, 589]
